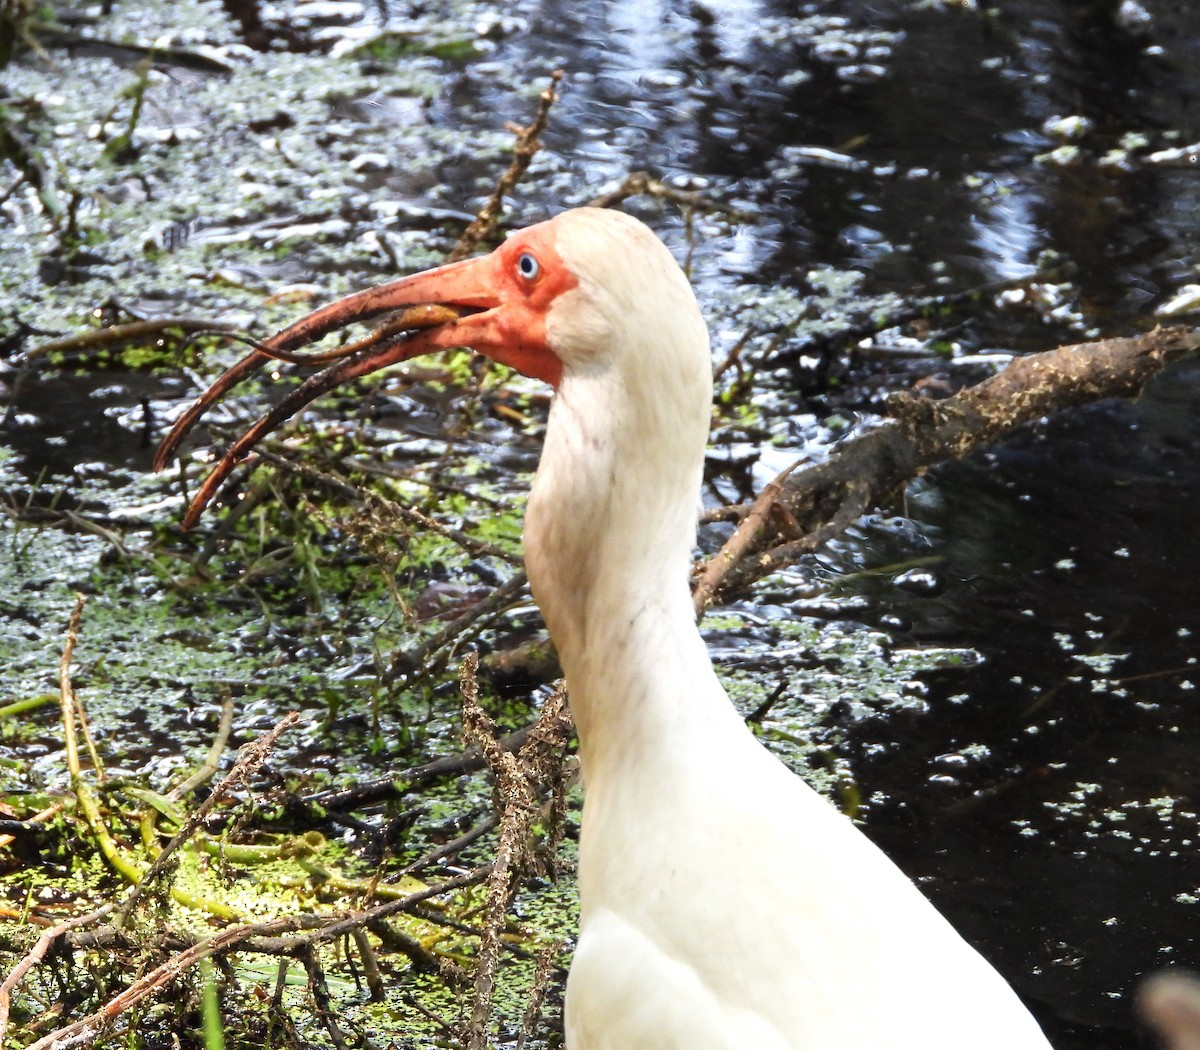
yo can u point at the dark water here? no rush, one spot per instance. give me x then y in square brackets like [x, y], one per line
[1069, 769]
[1047, 798]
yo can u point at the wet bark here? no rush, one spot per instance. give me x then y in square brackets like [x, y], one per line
[804, 509]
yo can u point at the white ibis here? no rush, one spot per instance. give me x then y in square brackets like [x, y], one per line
[724, 903]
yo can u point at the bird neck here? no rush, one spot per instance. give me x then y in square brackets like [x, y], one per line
[610, 529]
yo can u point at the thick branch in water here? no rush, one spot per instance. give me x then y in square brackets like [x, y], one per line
[814, 505]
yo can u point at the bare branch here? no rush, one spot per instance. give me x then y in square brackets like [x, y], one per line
[816, 504]
[526, 148]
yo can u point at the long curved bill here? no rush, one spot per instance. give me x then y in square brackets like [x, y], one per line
[461, 304]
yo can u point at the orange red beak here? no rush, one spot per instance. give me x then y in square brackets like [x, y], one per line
[496, 305]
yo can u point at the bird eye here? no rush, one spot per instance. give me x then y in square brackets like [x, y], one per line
[527, 266]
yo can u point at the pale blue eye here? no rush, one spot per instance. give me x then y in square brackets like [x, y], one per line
[527, 266]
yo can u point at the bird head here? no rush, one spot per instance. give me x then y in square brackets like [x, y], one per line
[555, 301]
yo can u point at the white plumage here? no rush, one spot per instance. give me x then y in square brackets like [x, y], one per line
[725, 905]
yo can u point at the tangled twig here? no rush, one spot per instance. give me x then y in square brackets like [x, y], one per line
[516, 777]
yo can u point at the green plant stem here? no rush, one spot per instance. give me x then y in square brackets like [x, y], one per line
[32, 703]
[81, 788]
[210, 1007]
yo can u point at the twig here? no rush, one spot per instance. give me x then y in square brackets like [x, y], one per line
[642, 183]
[515, 780]
[339, 926]
[422, 958]
[82, 1032]
[411, 779]
[543, 970]
[66, 693]
[36, 954]
[212, 760]
[120, 333]
[250, 759]
[447, 849]
[85, 731]
[320, 995]
[733, 359]
[517, 804]
[259, 937]
[370, 964]
[524, 150]
[156, 53]
[31, 825]
[429, 1015]
[414, 664]
[749, 528]
[856, 501]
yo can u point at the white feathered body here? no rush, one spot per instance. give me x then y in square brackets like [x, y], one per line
[725, 904]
